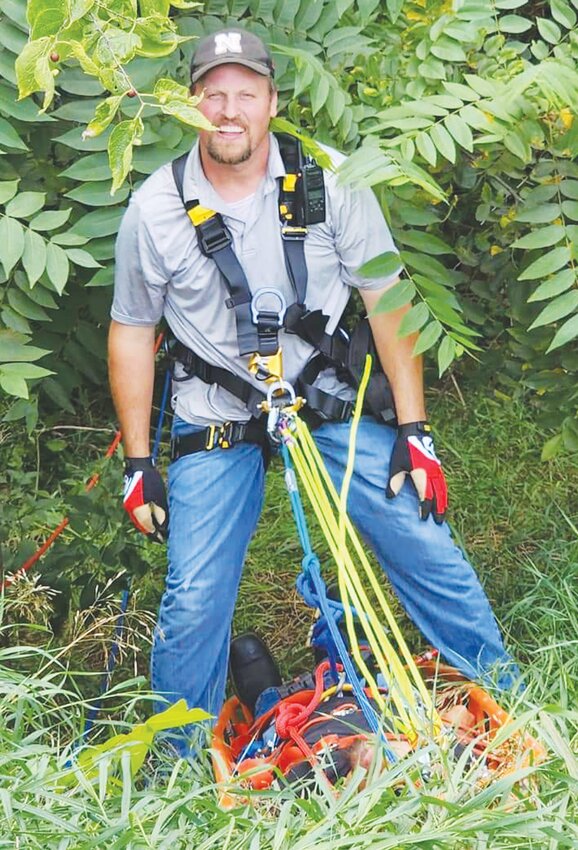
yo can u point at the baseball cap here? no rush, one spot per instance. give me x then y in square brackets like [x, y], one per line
[231, 46]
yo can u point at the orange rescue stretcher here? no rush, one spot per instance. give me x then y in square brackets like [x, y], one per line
[470, 717]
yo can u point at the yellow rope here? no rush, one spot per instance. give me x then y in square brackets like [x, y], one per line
[403, 679]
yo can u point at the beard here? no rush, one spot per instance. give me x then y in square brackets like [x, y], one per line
[224, 155]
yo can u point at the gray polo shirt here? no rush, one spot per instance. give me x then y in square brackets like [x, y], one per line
[160, 271]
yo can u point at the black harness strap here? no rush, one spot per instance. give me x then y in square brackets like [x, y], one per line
[223, 437]
[194, 366]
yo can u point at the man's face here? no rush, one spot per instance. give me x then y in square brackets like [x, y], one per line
[240, 103]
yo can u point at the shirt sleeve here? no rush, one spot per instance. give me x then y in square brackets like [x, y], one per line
[361, 233]
[140, 280]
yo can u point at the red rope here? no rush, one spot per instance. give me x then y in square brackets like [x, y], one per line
[292, 716]
[92, 482]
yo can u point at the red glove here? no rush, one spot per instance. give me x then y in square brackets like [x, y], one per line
[414, 455]
[144, 498]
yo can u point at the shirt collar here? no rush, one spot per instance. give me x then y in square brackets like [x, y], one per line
[197, 187]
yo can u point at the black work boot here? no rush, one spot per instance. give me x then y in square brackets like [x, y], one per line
[252, 669]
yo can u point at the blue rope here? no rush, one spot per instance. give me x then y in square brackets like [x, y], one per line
[110, 665]
[311, 586]
[161, 419]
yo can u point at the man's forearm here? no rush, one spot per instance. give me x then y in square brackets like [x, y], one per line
[131, 375]
[404, 371]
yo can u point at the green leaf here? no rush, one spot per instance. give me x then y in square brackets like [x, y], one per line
[91, 168]
[102, 222]
[395, 297]
[514, 24]
[50, 220]
[120, 146]
[414, 319]
[541, 214]
[116, 46]
[394, 7]
[542, 238]
[79, 8]
[187, 113]
[166, 89]
[25, 306]
[9, 138]
[34, 256]
[83, 258]
[546, 264]
[98, 194]
[45, 17]
[549, 31]
[554, 285]
[28, 371]
[384, 265]
[552, 447]
[57, 266]
[14, 385]
[68, 238]
[426, 148]
[11, 243]
[422, 241]
[570, 209]
[319, 92]
[8, 189]
[29, 67]
[519, 146]
[564, 334]
[25, 110]
[428, 337]
[557, 309]
[443, 142]
[449, 50]
[563, 13]
[14, 346]
[446, 354]
[460, 131]
[569, 189]
[25, 204]
[104, 113]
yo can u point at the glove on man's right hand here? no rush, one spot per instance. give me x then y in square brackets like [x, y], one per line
[145, 499]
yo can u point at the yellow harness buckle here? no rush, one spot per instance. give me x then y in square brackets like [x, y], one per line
[199, 214]
[289, 182]
[268, 368]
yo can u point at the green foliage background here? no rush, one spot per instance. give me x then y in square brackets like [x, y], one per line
[460, 114]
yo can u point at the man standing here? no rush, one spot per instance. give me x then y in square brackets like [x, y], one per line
[214, 259]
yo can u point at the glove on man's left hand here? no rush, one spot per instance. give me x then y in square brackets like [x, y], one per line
[414, 455]
[145, 499]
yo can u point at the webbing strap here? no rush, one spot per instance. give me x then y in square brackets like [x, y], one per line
[254, 334]
[195, 367]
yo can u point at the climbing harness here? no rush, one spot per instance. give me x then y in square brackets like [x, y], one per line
[260, 316]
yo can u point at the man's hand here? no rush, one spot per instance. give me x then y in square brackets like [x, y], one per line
[414, 455]
[145, 499]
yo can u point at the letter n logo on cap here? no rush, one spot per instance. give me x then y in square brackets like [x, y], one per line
[227, 42]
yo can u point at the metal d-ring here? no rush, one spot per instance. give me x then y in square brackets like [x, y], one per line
[287, 389]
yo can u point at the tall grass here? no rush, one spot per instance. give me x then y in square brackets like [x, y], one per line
[517, 519]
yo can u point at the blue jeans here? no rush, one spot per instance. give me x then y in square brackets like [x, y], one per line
[215, 500]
